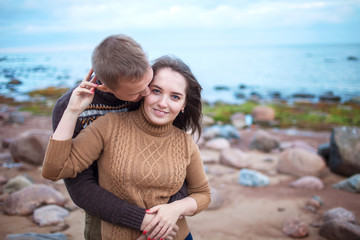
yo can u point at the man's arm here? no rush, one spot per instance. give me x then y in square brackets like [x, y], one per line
[95, 200]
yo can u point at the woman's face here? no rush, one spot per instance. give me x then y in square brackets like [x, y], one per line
[167, 96]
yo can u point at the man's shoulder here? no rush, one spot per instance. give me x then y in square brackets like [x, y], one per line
[64, 99]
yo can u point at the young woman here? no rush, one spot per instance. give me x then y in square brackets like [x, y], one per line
[144, 155]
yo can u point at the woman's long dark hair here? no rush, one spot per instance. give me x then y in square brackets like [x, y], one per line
[192, 115]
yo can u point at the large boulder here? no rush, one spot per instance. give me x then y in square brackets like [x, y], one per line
[210, 156]
[344, 157]
[339, 223]
[16, 183]
[263, 114]
[300, 163]
[26, 200]
[339, 214]
[50, 215]
[30, 146]
[336, 230]
[234, 157]
[263, 141]
[351, 184]
[218, 144]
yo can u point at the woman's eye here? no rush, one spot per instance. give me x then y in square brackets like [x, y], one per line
[156, 91]
[176, 97]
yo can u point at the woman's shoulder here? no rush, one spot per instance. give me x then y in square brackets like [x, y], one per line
[185, 135]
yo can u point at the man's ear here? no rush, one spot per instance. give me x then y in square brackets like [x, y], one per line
[104, 88]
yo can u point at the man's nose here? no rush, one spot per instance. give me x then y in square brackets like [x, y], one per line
[146, 92]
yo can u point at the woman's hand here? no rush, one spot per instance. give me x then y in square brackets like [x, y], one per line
[80, 98]
[83, 95]
[147, 220]
[165, 220]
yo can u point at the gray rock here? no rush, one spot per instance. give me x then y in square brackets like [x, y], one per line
[207, 121]
[210, 156]
[339, 214]
[30, 146]
[37, 236]
[16, 183]
[49, 215]
[324, 151]
[234, 157]
[297, 144]
[336, 230]
[16, 117]
[308, 182]
[218, 144]
[238, 120]
[263, 141]
[351, 184]
[24, 201]
[344, 156]
[221, 131]
[252, 178]
[314, 203]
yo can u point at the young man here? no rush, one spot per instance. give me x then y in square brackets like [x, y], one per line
[123, 74]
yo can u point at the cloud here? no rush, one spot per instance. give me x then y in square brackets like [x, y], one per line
[75, 16]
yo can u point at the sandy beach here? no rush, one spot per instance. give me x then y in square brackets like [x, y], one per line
[246, 212]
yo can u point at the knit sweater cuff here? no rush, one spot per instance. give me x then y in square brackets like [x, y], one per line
[129, 215]
[56, 150]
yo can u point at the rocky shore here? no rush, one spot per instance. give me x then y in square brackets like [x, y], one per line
[267, 183]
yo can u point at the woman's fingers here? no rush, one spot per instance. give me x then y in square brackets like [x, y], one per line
[89, 82]
[163, 231]
[167, 231]
[87, 77]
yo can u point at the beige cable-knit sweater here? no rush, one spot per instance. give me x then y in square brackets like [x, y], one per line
[139, 162]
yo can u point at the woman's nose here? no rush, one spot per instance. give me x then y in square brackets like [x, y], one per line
[162, 102]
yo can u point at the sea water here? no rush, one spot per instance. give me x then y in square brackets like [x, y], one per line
[237, 70]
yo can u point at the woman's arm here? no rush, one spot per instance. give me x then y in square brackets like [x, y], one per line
[80, 98]
[59, 147]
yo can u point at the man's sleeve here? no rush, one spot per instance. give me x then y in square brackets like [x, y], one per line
[88, 195]
[182, 193]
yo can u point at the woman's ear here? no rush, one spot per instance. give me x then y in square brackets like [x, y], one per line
[104, 88]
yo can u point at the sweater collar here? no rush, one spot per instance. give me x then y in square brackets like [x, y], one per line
[144, 123]
[107, 97]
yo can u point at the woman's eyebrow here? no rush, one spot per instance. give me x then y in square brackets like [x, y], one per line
[156, 86]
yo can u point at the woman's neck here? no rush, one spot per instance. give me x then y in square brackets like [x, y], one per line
[144, 123]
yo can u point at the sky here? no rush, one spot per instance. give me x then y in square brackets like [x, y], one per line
[68, 25]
